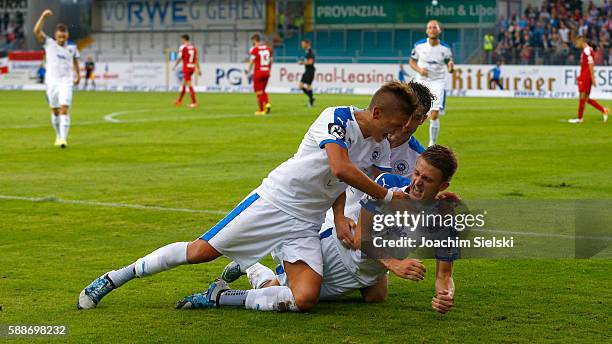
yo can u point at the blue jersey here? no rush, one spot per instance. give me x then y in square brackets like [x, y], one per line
[496, 73]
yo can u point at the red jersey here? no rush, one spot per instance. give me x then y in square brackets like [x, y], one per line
[586, 59]
[189, 54]
[261, 56]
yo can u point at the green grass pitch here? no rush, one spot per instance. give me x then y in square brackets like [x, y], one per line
[207, 159]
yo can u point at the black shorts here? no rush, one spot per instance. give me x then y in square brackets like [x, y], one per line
[307, 77]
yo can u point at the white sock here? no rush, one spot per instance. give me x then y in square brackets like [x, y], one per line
[434, 129]
[162, 259]
[120, 276]
[277, 298]
[64, 126]
[55, 123]
[259, 274]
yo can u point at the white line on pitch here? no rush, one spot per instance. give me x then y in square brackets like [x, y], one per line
[144, 120]
[110, 204]
[110, 116]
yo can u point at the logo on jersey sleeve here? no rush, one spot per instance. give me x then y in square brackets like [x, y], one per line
[337, 131]
[400, 167]
[376, 154]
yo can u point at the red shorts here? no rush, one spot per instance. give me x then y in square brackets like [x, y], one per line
[260, 81]
[584, 85]
[187, 73]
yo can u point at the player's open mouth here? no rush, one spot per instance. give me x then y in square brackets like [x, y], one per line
[416, 191]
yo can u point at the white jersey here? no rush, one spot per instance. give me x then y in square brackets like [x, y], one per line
[355, 271]
[365, 271]
[432, 58]
[304, 186]
[403, 161]
[59, 62]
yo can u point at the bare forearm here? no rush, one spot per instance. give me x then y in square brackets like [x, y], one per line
[338, 206]
[354, 177]
[414, 66]
[444, 276]
[38, 28]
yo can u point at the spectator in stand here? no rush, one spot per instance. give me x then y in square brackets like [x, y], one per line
[564, 32]
[526, 53]
[547, 28]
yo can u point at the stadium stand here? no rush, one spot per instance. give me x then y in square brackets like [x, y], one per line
[216, 46]
[541, 35]
[12, 36]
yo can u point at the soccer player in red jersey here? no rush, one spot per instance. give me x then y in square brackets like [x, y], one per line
[586, 80]
[188, 54]
[261, 59]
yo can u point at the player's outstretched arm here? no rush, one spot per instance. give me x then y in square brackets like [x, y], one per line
[40, 36]
[408, 268]
[444, 299]
[343, 169]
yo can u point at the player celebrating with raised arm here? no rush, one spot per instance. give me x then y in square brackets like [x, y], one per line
[61, 75]
[586, 80]
[188, 54]
[309, 71]
[346, 270]
[260, 62]
[431, 58]
[285, 213]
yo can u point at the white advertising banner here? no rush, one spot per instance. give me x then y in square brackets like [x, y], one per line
[468, 80]
[162, 15]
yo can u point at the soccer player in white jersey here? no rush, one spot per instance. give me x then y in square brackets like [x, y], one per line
[285, 213]
[347, 270]
[62, 74]
[431, 58]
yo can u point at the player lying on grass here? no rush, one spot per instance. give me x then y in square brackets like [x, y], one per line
[345, 269]
[62, 74]
[284, 214]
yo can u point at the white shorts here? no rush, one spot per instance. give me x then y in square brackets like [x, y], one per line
[437, 88]
[337, 278]
[255, 228]
[58, 95]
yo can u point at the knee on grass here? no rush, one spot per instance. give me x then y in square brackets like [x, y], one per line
[305, 300]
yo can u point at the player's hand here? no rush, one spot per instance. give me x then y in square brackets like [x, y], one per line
[451, 66]
[593, 83]
[46, 13]
[400, 195]
[345, 229]
[443, 301]
[412, 269]
[424, 72]
[77, 79]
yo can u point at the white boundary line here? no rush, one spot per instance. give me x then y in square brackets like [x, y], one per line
[111, 118]
[110, 204]
[222, 212]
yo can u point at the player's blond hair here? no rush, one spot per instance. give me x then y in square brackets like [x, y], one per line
[411, 99]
